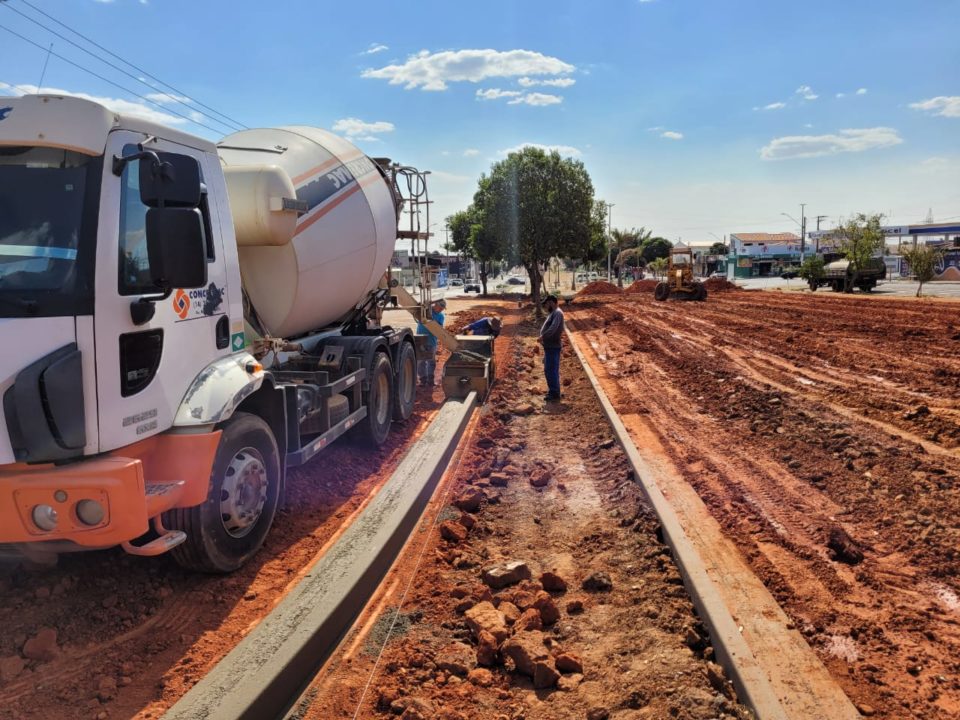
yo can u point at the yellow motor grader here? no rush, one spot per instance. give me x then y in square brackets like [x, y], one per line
[680, 283]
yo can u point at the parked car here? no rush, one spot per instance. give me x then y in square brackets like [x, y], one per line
[516, 281]
[789, 274]
[455, 282]
[471, 287]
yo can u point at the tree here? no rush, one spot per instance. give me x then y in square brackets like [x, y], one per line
[654, 248]
[861, 239]
[594, 249]
[658, 266]
[538, 205]
[812, 268]
[718, 248]
[487, 247]
[923, 261]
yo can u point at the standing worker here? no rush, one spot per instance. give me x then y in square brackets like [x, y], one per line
[427, 366]
[551, 337]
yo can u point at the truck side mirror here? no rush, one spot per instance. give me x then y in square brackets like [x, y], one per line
[170, 179]
[176, 247]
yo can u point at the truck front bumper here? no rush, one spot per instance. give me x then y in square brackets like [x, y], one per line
[107, 500]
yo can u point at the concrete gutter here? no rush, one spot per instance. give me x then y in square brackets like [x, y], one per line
[748, 674]
[266, 673]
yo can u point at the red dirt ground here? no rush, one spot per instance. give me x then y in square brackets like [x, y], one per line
[554, 492]
[134, 634]
[599, 287]
[816, 429]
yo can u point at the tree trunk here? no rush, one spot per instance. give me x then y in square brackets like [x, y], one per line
[483, 276]
[573, 278]
[619, 266]
[533, 270]
[919, 289]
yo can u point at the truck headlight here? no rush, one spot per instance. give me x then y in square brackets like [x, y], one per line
[44, 517]
[90, 512]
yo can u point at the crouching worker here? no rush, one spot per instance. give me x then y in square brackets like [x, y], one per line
[484, 326]
[427, 365]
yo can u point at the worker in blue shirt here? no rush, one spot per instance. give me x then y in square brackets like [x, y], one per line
[484, 326]
[427, 365]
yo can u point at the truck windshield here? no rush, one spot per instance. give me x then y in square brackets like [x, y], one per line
[48, 203]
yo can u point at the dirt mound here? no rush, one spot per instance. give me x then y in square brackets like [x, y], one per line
[641, 286]
[719, 285]
[600, 287]
[464, 318]
[951, 273]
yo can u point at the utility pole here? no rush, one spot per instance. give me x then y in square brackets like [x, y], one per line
[609, 238]
[819, 218]
[803, 230]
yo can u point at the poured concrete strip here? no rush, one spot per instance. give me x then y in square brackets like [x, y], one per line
[772, 667]
[261, 677]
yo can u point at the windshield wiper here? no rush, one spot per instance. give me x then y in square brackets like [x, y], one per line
[29, 305]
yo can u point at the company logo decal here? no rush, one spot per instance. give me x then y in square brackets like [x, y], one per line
[198, 302]
[181, 304]
[4, 112]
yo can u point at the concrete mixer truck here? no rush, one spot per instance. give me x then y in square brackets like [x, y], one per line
[180, 323]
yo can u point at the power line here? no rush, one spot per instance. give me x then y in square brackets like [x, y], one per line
[180, 98]
[111, 82]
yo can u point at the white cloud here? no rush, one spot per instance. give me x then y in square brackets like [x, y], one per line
[432, 71]
[946, 106]
[565, 150]
[374, 49]
[933, 164]
[537, 99]
[555, 82]
[841, 95]
[655, 128]
[497, 94]
[471, 152]
[862, 91]
[118, 105]
[808, 146]
[806, 92]
[357, 129]
[775, 106]
[672, 135]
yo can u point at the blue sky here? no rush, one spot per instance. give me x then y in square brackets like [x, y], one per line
[692, 116]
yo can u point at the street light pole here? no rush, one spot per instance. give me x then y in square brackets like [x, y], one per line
[609, 249]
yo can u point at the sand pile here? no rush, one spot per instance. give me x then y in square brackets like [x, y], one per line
[600, 287]
[641, 286]
[719, 285]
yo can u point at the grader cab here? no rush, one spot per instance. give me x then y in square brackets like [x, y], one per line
[680, 283]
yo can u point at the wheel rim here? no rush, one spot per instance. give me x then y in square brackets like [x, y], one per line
[383, 397]
[406, 380]
[243, 493]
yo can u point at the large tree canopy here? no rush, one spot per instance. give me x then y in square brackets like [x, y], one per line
[539, 206]
[654, 248]
[861, 239]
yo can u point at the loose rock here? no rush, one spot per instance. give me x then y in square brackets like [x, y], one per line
[10, 668]
[525, 648]
[469, 500]
[457, 658]
[500, 576]
[569, 663]
[598, 582]
[481, 677]
[484, 616]
[544, 674]
[453, 532]
[43, 646]
[553, 582]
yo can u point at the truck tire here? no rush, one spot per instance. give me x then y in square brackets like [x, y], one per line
[661, 292]
[813, 286]
[375, 427]
[229, 527]
[405, 385]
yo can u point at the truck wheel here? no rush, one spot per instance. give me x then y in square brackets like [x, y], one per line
[661, 292]
[232, 523]
[813, 286]
[405, 387]
[379, 402]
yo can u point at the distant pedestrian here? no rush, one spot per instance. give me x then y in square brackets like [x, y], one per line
[551, 337]
[484, 326]
[427, 365]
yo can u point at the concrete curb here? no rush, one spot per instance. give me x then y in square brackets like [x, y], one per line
[262, 676]
[751, 682]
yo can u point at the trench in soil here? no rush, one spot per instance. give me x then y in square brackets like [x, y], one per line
[635, 641]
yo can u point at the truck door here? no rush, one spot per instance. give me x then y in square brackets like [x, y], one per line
[144, 369]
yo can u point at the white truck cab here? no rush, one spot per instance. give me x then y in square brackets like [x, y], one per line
[132, 411]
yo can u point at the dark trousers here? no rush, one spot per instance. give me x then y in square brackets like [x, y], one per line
[551, 368]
